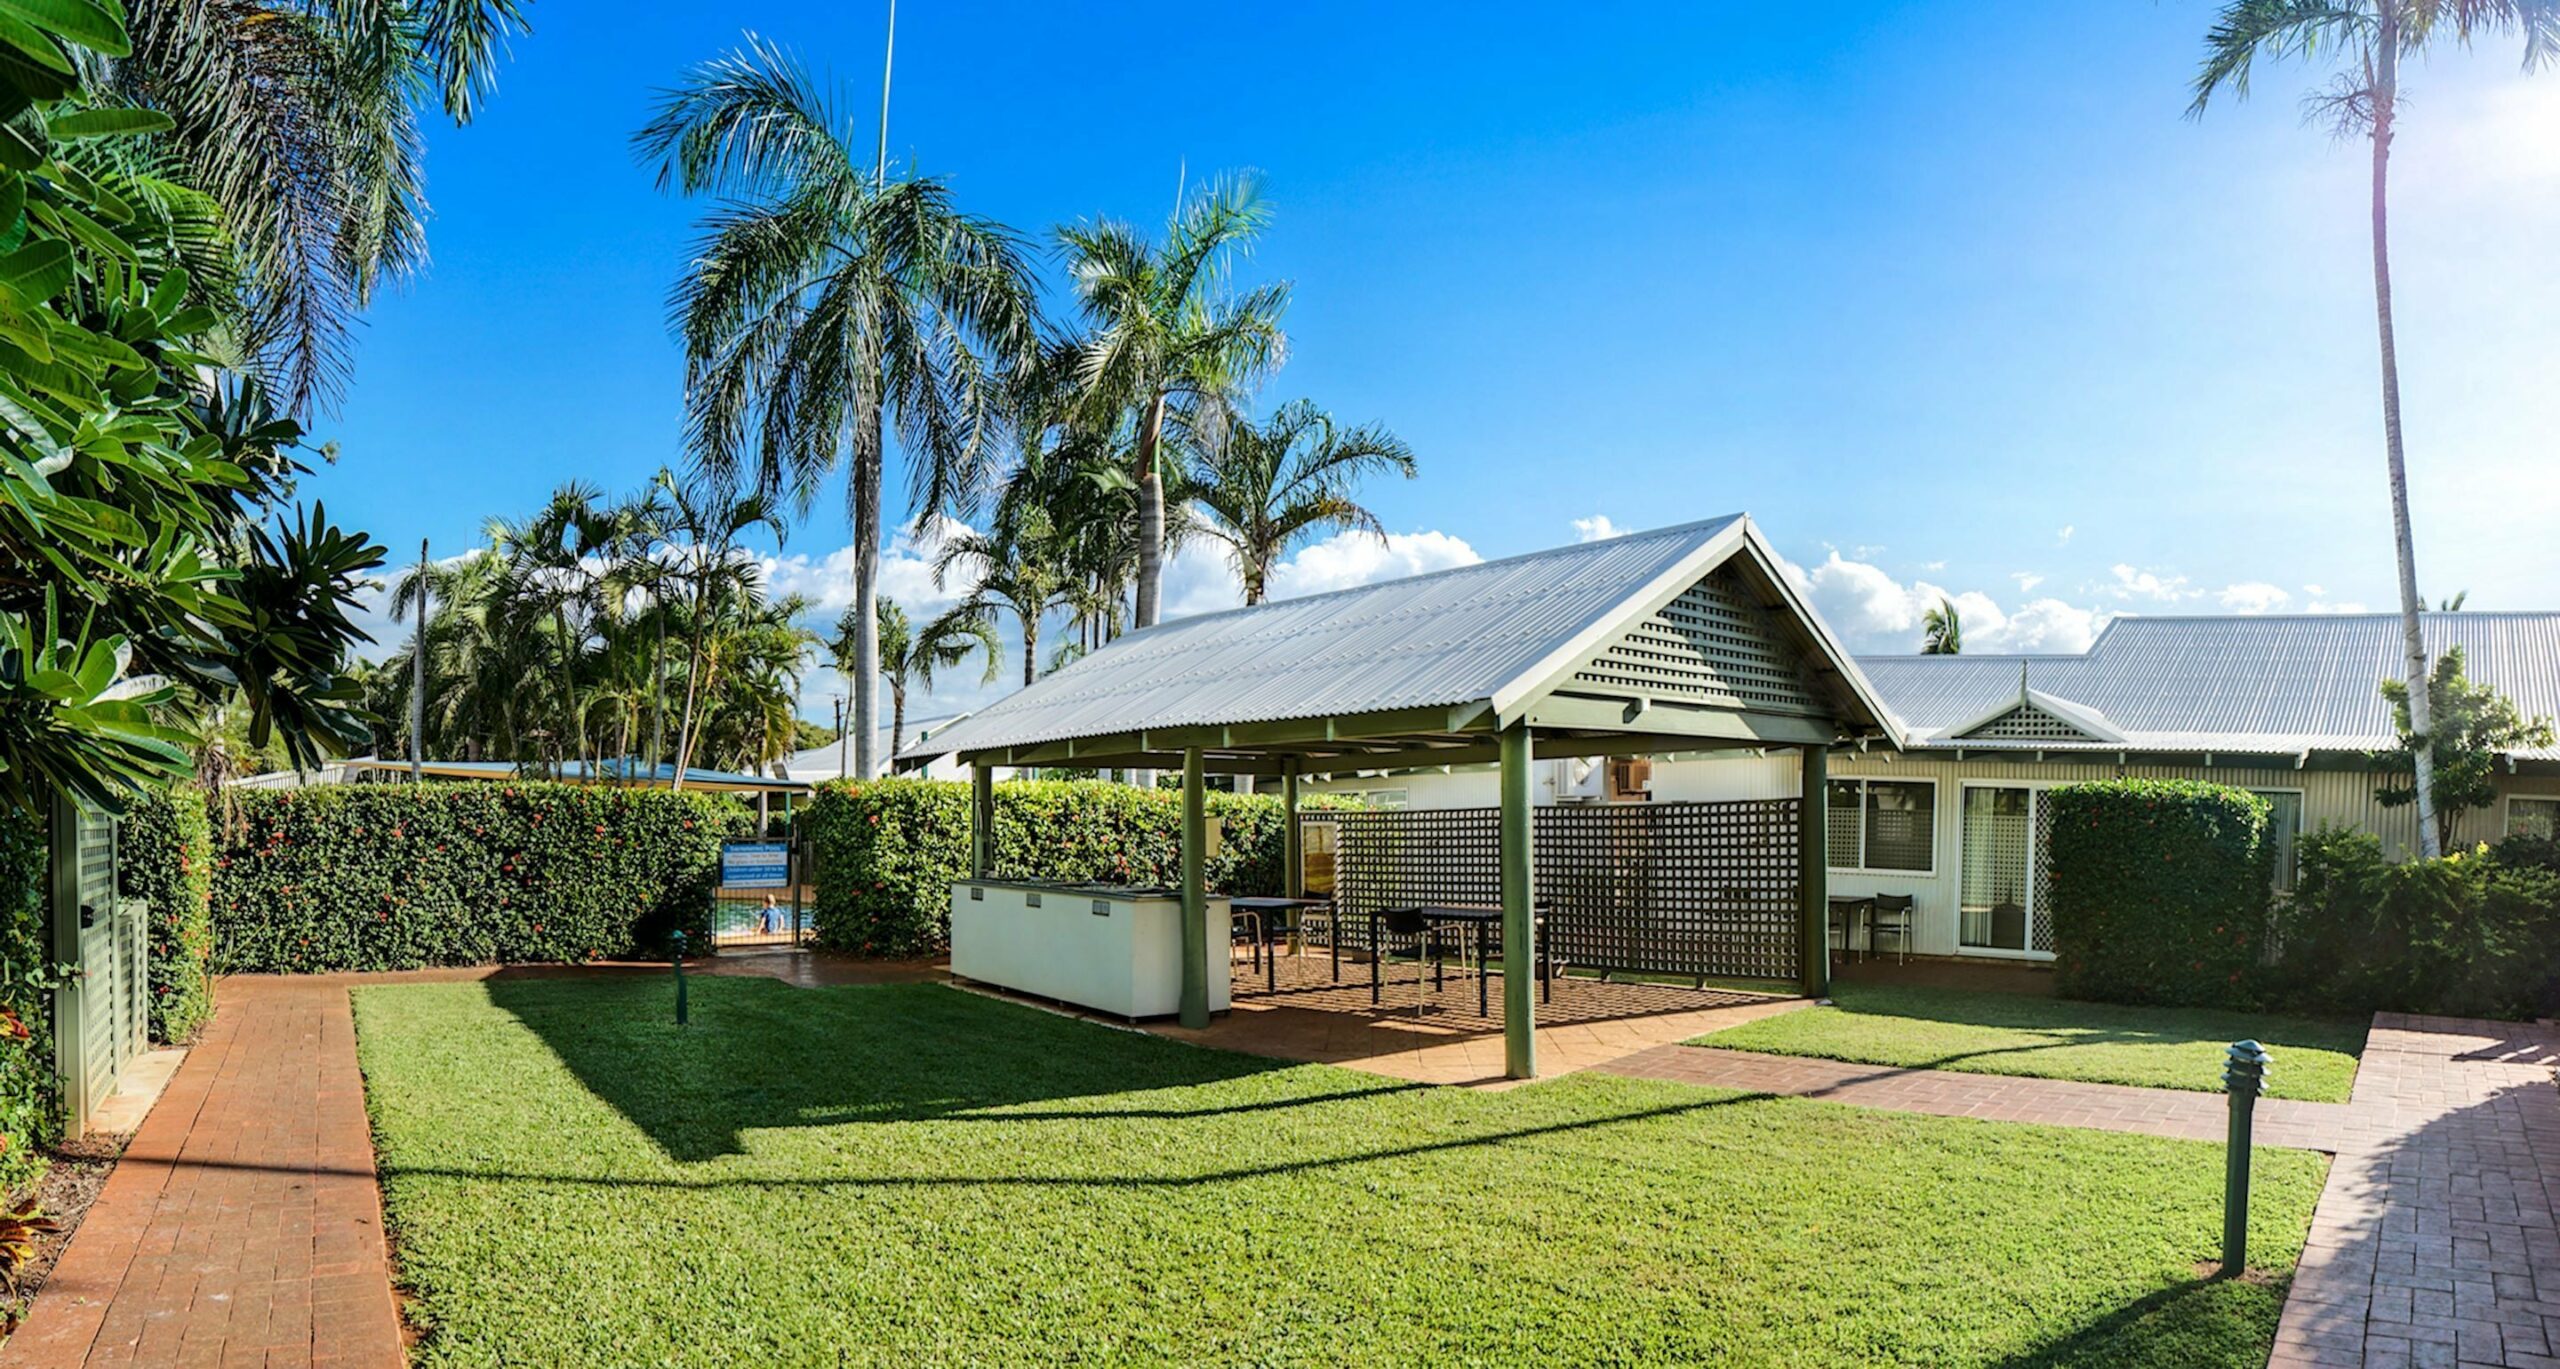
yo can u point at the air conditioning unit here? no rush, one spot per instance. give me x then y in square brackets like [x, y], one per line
[1631, 778]
[1581, 779]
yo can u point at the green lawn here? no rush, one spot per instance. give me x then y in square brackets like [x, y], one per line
[2052, 1038]
[917, 1175]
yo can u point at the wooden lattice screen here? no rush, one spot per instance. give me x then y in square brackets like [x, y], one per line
[1707, 889]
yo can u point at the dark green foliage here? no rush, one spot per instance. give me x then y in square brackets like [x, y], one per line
[30, 1094]
[888, 851]
[2473, 727]
[165, 857]
[2160, 891]
[2472, 934]
[388, 877]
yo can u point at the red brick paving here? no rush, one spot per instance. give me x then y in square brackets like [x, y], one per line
[242, 1226]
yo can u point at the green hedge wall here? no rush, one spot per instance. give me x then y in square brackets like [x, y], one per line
[887, 851]
[390, 876]
[2469, 935]
[2160, 891]
[30, 1095]
[165, 857]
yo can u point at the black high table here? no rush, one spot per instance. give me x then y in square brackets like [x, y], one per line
[1481, 918]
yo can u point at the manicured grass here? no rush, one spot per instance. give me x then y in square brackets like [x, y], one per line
[918, 1175]
[2052, 1038]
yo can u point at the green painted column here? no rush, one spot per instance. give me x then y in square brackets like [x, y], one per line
[1293, 880]
[1195, 891]
[1519, 901]
[1813, 859]
[982, 821]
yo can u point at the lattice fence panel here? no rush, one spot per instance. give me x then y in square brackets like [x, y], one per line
[1709, 889]
[2040, 916]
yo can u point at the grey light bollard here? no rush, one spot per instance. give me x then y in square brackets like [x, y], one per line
[2244, 1073]
[679, 961]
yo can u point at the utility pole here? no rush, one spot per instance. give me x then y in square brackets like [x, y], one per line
[880, 174]
[418, 679]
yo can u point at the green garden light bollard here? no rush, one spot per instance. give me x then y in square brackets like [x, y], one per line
[2244, 1073]
[680, 1013]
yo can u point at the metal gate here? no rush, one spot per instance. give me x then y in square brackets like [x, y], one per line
[1713, 890]
[101, 1013]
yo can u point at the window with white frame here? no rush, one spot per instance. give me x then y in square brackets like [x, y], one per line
[2284, 832]
[2533, 817]
[1887, 825]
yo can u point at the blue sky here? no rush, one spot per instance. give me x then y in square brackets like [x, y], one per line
[1948, 295]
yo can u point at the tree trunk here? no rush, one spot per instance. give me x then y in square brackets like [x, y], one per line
[574, 735]
[1030, 647]
[897, 718]
[692, 674]
[657, 683]
[864, 491]
[1150, 513]
[2386, 96]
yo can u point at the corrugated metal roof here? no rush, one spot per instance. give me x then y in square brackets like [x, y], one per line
[2276, 684]
[1444, 639]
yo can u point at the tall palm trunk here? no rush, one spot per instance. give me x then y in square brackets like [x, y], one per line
[1150, 513]
[897, 717]
[2386, 95]
[866, 602]
[657, 683]
[692, 678]
[1030, 645]
[574, 736]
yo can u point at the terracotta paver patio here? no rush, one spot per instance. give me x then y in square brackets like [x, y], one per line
[1583, 1024]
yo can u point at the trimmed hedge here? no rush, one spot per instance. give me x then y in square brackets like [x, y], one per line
[2468, 935]
[2160, 891]
[887, 852]
[30, 1094]
[391, 877]
[165, 857]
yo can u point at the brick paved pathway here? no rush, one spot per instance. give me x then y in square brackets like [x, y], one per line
[2437, 1241]
[243, 1225]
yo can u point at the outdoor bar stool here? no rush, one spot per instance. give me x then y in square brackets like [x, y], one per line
[1891, 913]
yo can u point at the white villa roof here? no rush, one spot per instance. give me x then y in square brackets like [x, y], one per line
[2275, 684]
[1491, 633]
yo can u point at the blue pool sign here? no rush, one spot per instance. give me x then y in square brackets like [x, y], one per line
[755, 865]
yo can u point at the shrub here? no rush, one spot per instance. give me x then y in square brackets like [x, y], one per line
[2160, 891]
[2469, 934]
[30, 1094]
[165, 858]
[888, 851]
[384, 877]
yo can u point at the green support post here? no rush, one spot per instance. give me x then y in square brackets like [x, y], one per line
[1195, 891]
[982, 820]
[1293, 879]
[1813, 860]
[1519, 916]
[681, 1014]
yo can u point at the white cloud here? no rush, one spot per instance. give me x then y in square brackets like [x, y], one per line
[2343, 607]
[906, 575]
[2027, 580]
[1596, 528]
[2254, 596]
[1347, 559]
[1933, 566]
[2315, 591]
[2062, 537]
[2143, 584]
[1874, 612]
[371, 611]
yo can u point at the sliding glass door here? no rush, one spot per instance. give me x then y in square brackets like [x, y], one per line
[2002, 903]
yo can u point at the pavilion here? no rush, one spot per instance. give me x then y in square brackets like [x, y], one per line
[1679, 640]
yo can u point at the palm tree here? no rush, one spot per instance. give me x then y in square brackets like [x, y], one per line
[1942, 630]
[2370, 39]
[555, 562]
[1017, 567]
[711, 574]
[1167, 340]
[301, 119]
[1266, 487]
[910, 658]
[825, 300]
